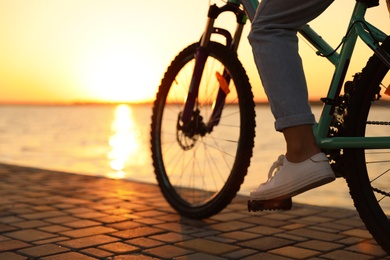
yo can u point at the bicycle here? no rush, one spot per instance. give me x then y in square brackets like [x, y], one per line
[203, 120]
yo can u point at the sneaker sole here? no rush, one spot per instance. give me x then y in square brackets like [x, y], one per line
[273, 204]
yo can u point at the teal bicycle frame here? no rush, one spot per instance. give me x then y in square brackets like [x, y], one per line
[358, 28]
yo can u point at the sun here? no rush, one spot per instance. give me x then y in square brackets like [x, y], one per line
[119, 74]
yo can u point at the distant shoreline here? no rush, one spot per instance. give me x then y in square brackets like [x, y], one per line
[259, 103]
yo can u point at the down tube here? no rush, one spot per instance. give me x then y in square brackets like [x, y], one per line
[381, 142]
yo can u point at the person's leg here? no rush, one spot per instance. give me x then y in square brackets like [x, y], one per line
[275, 47]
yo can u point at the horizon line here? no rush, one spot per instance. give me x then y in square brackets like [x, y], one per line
[81, 103]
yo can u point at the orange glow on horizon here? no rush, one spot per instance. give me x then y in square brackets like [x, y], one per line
[68, 51]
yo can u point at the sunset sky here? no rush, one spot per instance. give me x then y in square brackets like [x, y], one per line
[56, 51]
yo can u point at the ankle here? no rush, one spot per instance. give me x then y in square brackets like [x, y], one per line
[300, 155]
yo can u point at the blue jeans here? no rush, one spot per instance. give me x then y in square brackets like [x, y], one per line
[275, 47]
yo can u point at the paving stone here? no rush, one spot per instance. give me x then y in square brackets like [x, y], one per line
[171, 237]
[145, 242]
[295, 252]
[206, 233]
[350, 240]
[343, 254]
[350, 222]
[3, 238]
[151, 213]
[305, 232]
[112, 219]
[43, 212]
[97, 253]
[81, 223]
[323, 229]
[119, 247]
[291, 237]
[43, 250]
[68, 256]
[167, 251]
[11, 256]
[179, 228]
[264, 221]
[90, 231]
[6, 228]
[230, 226]
[134, 257]
[43, 215]
[198, 256]
[30, 235]
[50, 240]
[43, 208]
[357, 233]
[320, 245]
[76, 201]
[228, 216]
[315, 219]
[368, 249]
[53, 228]
[208, 246]
[198, 223]
[264, 230]
[169, 217]
[62, 219]
[221, 239]
[10, 219]
[137, 232]
[333, 226]
[266, 243]
[78, 210]
[91, 215]
[9, 245]
[266, 256]
[149, 221]
[301, 211]
[88, 241]
[240, 254]
[29, 224]
[125, 225]
[239, 235]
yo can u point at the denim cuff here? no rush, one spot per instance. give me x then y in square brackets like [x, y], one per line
[295, 120]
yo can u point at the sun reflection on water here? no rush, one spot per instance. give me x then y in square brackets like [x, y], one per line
[124, 141]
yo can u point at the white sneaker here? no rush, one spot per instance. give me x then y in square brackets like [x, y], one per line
[291, 179]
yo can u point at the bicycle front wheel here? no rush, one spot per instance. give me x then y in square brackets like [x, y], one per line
[368, 173]
[200, 174]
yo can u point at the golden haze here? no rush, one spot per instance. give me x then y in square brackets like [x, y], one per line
[68, 51]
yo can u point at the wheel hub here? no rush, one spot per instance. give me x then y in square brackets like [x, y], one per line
[188, 134]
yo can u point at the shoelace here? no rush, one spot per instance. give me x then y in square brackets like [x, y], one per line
[276, 165]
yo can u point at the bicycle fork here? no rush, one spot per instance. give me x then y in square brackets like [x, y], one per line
[190, 113]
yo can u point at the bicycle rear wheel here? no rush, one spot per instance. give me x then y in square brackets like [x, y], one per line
[368, 172]
[200, 175]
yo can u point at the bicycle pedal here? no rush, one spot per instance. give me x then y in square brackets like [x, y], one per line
[273, 204]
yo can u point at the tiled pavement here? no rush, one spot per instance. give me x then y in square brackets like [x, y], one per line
[51, 215]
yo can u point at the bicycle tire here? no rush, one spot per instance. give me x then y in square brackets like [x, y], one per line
[202, 180]
[368, 169]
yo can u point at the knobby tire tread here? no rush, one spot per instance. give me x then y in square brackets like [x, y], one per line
[357, 178]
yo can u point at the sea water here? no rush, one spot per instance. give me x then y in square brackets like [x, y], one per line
[113, 141]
